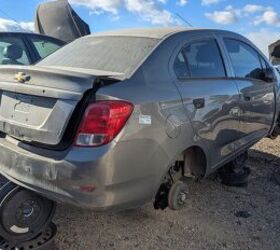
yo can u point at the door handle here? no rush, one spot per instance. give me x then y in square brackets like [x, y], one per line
[199, 103]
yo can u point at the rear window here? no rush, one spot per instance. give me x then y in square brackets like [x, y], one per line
[116, 54]
[44, 47]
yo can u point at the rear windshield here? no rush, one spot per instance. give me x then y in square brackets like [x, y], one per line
[115, 54]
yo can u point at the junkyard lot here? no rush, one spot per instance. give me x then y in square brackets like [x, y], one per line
[210, 222]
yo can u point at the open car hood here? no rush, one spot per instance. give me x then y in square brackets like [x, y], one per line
[59, 20]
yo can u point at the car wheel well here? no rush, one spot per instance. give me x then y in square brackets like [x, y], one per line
[190, 163]
[195, 162]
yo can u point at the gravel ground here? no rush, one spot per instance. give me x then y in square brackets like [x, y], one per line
[218, 217]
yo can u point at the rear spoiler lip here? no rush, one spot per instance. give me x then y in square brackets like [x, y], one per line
[66, 70]
[99, 74]
[71, 77]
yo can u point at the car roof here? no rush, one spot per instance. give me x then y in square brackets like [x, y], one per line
[153, 33]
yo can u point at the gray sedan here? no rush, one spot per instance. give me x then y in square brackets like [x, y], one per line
[121, 118]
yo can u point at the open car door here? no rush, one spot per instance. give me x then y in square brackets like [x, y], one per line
[59, 20]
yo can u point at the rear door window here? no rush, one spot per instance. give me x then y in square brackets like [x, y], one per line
[44, 47]
[204, 59]
[244, 59]
[13, 51]
[180, 66]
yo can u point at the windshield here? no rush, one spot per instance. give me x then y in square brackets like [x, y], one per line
[115, 54]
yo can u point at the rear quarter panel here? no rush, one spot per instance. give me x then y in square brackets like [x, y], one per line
[149, 149]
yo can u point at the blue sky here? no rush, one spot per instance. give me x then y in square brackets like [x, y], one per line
[259, 20]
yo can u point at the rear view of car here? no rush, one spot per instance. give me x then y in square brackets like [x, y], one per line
[73, 139]
[121, 118]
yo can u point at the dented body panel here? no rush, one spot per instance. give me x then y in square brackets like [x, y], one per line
[165, 123]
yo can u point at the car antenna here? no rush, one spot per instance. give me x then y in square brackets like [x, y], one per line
[184, 20]
[7, 15]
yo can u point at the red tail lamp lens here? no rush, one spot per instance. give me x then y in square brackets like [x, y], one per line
[102, 122]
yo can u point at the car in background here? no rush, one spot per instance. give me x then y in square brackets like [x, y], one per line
[19, 48]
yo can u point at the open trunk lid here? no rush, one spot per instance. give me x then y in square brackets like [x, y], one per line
[37, 102]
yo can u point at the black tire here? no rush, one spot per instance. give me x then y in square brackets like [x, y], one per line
[235, 173]
[233, 178]
[178, 195]
[24, 214]
[45, 240]
[277, 177]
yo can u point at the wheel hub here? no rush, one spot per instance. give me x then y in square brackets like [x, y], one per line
[28, 211]
[178, 195]
[182, 197]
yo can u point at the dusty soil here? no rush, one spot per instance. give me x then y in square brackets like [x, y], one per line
[218, 217]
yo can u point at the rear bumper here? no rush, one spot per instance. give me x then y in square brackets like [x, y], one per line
[118, 182]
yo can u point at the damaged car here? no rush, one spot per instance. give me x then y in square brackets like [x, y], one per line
[118, 119]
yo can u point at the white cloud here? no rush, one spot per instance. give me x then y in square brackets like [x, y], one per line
[253, 8]
[223, 17]
[147, 10]
[99, 5]
[263, 39]
[231, 15]
[182, 2]
[150, 12]
[269, 17]
[28, 26]
[11, 25]
[209, 2]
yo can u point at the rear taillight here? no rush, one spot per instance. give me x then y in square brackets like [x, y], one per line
[102, 122]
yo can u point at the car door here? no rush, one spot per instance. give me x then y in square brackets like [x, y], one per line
[13, 50]
[209, 97]
[43, 46]
[257, 93]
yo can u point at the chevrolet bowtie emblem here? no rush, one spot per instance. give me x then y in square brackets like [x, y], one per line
[21, 77]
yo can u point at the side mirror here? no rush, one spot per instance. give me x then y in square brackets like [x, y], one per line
[269, 75]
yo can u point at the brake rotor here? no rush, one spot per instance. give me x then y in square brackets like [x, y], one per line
[178, 195]
[23, 214]
[43, 241]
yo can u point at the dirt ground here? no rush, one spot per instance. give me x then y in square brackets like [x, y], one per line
[218, 217]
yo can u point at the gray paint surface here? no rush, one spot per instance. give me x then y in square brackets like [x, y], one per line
[128, 171]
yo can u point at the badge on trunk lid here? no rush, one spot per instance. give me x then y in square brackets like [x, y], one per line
[21, 77]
